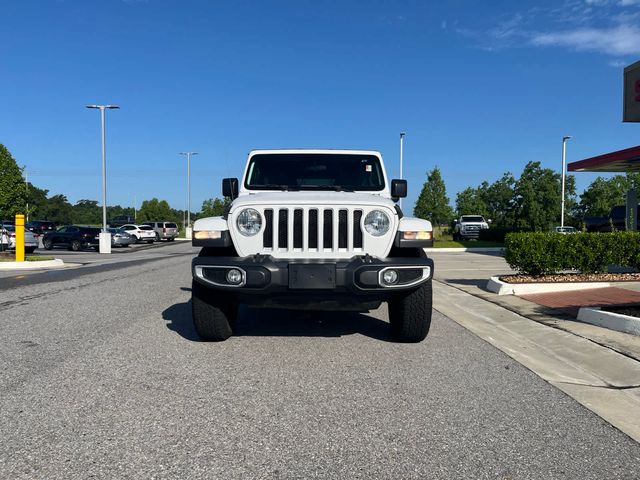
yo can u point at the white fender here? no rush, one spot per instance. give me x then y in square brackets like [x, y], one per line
[412, 224]
[211, 224]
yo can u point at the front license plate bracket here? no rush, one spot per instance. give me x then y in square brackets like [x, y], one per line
[312, 277]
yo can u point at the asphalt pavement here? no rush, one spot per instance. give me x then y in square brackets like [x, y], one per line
[104, 377]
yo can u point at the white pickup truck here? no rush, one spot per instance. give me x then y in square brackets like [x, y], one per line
[469, 227]
[315, 230]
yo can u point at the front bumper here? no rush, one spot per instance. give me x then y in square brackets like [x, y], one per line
[358, 276]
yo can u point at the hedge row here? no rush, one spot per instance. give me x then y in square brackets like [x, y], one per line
[536, 253]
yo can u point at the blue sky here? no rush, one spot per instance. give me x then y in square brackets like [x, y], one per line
[480, 88]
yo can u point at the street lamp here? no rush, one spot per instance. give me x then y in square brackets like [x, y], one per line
[564, 154]
[105, 236]
[188, 155]
[401, 144]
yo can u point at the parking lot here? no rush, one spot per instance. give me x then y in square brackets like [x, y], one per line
[105, 377]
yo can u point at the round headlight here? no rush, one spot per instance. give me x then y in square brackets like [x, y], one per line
[376, 223]
[249, 222]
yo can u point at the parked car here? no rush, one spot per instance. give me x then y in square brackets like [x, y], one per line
[4, 239]
[469, 226]
[73, 237]
[30, 240]
[40, 227]
[141, 233]
[164, 230]
[120, 237]
[120, 220]
[565, 230]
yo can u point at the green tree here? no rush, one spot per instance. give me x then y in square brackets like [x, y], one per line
[500, 200]
[155, 209]
[87, 212]
[58, 210]
[537, 197]
[603, 194]
[433, 203]
[214, 207]
[13, 190]
[37, 199]
[473, 201]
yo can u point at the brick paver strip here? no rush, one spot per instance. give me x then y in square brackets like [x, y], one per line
[570, 302]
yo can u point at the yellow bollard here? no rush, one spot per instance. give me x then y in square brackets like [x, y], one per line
[19, 238]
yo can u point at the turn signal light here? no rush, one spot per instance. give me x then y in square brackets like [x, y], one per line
[422, 235]
[207, 234]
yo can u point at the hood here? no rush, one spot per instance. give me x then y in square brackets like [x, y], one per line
[312, 198]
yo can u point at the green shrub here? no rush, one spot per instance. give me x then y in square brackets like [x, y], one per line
[536, 253]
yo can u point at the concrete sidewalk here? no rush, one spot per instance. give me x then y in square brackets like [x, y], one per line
[470, 272]
[597, 367]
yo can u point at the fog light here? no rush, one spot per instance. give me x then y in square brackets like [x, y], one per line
[390, 277]
[234, 276]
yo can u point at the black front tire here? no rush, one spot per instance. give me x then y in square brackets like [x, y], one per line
[75, 246]
[47, 244]
[213, 316]
[410, 315]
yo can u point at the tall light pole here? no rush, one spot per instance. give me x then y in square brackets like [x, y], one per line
[401, 145]
[188, 155]
[105, 237]
[564, 156]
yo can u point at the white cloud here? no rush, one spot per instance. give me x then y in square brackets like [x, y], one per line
[617, 63]
[627, 3]
[619, 40]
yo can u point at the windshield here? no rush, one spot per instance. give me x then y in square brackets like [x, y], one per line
[313, 171]
[474, 218]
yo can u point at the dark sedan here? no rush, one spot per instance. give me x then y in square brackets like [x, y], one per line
[73, 237]
[40, 227]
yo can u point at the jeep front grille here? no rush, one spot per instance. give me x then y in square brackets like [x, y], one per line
[312, 229]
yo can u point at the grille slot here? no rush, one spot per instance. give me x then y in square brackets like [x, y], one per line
[357, 231]
[327, 241]
[313, 228]
[267, 235]
[283, 224]
[297, 228]
[342, 229]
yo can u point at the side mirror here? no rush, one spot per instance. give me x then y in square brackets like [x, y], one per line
[230, 187]
[398, 188]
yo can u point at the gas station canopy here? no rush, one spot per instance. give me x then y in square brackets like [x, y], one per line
[627, 160]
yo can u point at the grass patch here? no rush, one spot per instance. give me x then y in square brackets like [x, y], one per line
[466, 244]
[38, 258]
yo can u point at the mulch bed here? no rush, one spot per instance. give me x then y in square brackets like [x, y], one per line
[572, 277]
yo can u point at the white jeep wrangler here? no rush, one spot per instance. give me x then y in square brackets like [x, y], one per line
[315, 230]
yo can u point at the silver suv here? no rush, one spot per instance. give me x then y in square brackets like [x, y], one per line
[164, 230]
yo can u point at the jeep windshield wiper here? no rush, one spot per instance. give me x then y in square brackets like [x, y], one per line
[276, 186]
[333, 188]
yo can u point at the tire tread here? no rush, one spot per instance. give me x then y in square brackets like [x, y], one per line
[410, 315]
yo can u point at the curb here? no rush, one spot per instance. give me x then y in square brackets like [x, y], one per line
[57, 263]
[464, 249]
[610, 320]
[496, 285]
